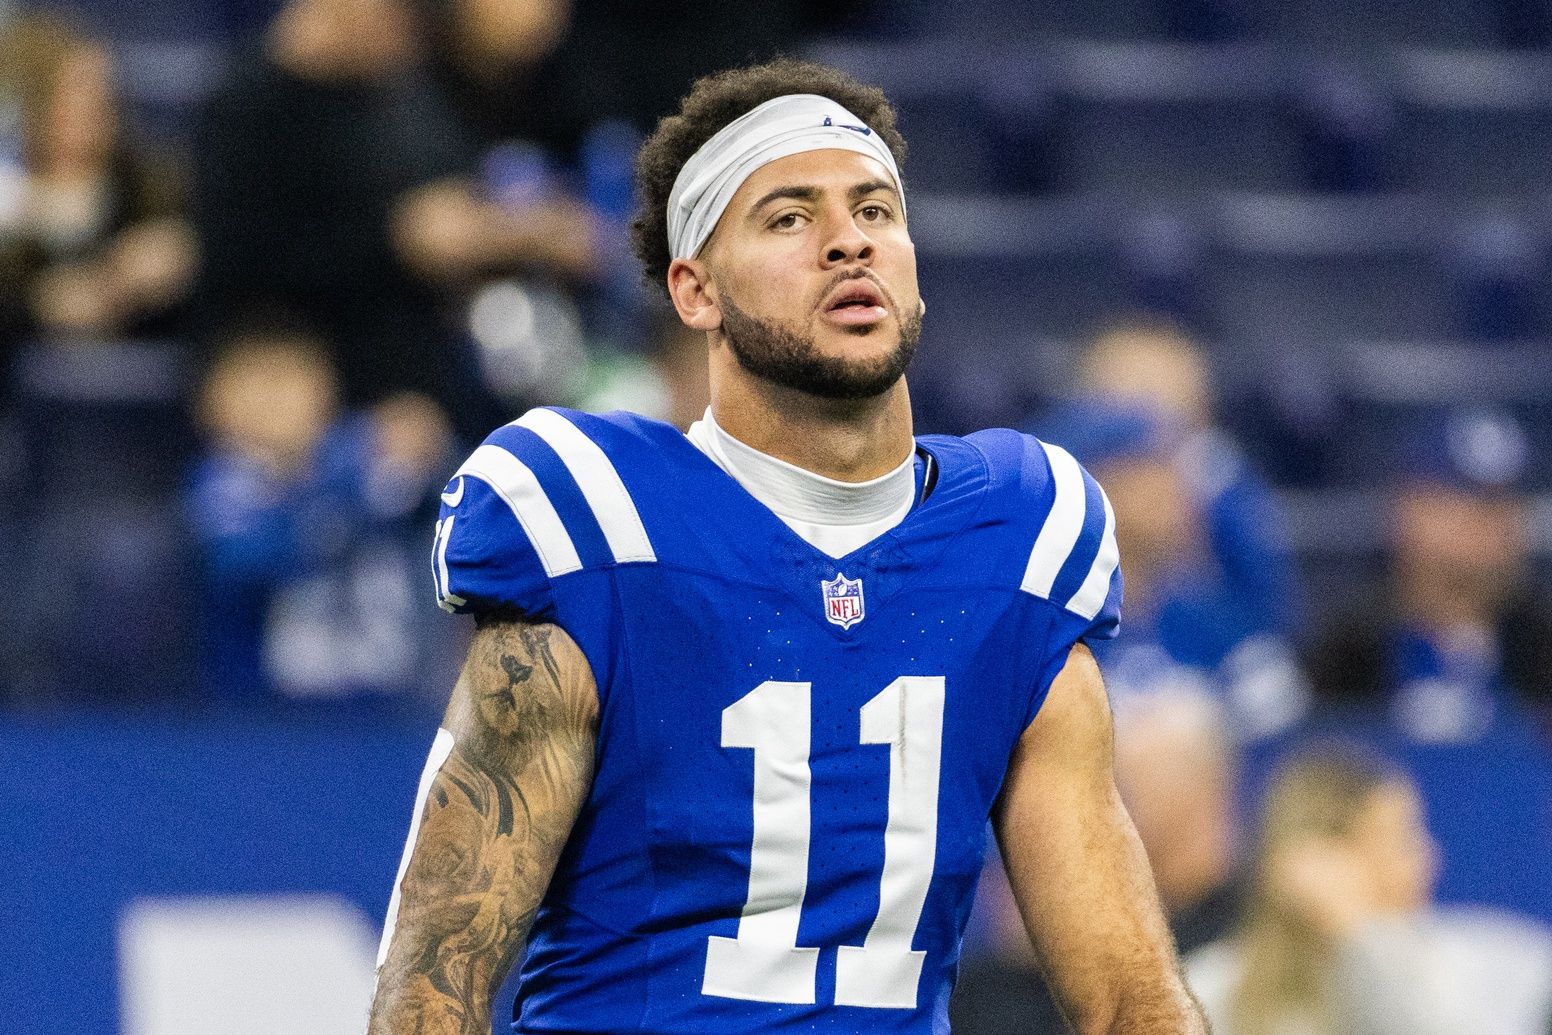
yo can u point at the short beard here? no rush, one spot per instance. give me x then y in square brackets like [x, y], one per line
[786, 358]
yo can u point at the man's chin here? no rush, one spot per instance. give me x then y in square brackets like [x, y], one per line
[831, 361]
[867, 349]
[843, 340]
[841, 375]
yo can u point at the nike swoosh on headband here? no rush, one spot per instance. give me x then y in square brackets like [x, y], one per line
[864, 130]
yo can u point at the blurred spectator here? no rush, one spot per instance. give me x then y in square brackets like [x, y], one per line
[1191, 623]
[311, 526]
[1460, 638]
[541, 151]
[332, 188]
[1176, 769]
[634, 61]
[1209, 583]
[550, 99]
[578, 81]
[1339, 937]
[1175, 766]
[669, 384]
[1157, 367]
[490, 60]
[93, 242]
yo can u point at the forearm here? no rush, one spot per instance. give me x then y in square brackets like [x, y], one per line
[458, 931]
[1160, 1006]
[1128, 982]
[444, 232]
[497, 815]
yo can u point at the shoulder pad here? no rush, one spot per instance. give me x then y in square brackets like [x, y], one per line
[538, 500]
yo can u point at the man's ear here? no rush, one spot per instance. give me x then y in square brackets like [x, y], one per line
[694, 295]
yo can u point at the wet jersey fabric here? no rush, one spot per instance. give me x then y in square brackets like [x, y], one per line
[797, 755]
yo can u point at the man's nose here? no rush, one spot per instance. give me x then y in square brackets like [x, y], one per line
[848, 243]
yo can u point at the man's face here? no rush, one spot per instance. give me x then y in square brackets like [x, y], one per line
[1471, 543]
[1156, 518]
[1393, 844]
[377, 38]
[815, 276]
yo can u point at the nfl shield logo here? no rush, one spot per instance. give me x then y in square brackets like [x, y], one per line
[843, 600]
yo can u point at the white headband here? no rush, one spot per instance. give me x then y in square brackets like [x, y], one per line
[776, 129]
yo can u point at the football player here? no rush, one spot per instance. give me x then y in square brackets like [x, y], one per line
[741, 703]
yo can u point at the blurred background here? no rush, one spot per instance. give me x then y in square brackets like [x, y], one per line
[1277, 271]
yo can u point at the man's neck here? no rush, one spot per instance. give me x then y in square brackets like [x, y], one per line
[848, 440]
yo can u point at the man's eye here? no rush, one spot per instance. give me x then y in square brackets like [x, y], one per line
[873, 213]
[786, 222]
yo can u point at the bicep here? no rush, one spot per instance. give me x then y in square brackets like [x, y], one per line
[1077, 868]
[497, 813]
[522, 719]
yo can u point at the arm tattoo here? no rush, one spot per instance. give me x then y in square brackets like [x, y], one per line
[499, 812]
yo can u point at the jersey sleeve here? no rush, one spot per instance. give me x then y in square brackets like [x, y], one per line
[1074, 563]
[501, 536]
[483, 558]
[541, 499]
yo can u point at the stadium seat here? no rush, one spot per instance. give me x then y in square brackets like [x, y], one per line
[1497, 263]
[1172, 119]
[977, 119]
[1475, 122]
[106, 415]
[1346, 121]
[1311, 268]
[103, 444]
[1013, 269]
[1344, 26]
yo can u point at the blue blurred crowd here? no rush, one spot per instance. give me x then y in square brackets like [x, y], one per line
[1276, 273]
[262, 267]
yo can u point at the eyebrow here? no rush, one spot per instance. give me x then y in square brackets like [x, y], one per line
[862, 190]
[800, 193]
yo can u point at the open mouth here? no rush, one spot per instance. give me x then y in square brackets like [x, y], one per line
[856, 302]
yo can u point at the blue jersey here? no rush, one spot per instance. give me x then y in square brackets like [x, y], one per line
[797, 755]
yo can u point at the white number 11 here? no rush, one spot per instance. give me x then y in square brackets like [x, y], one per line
[765, 963]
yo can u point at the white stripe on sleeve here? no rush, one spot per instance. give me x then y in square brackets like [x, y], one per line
[1059, 534]
[599, 481]
[1091, 595]
[441, 747]
[511, 479]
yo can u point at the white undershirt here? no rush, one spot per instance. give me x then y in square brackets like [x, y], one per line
[832, 516]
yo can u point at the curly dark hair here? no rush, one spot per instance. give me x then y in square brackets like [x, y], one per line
[712, 103]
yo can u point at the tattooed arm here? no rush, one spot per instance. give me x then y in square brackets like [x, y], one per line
[497, 815]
